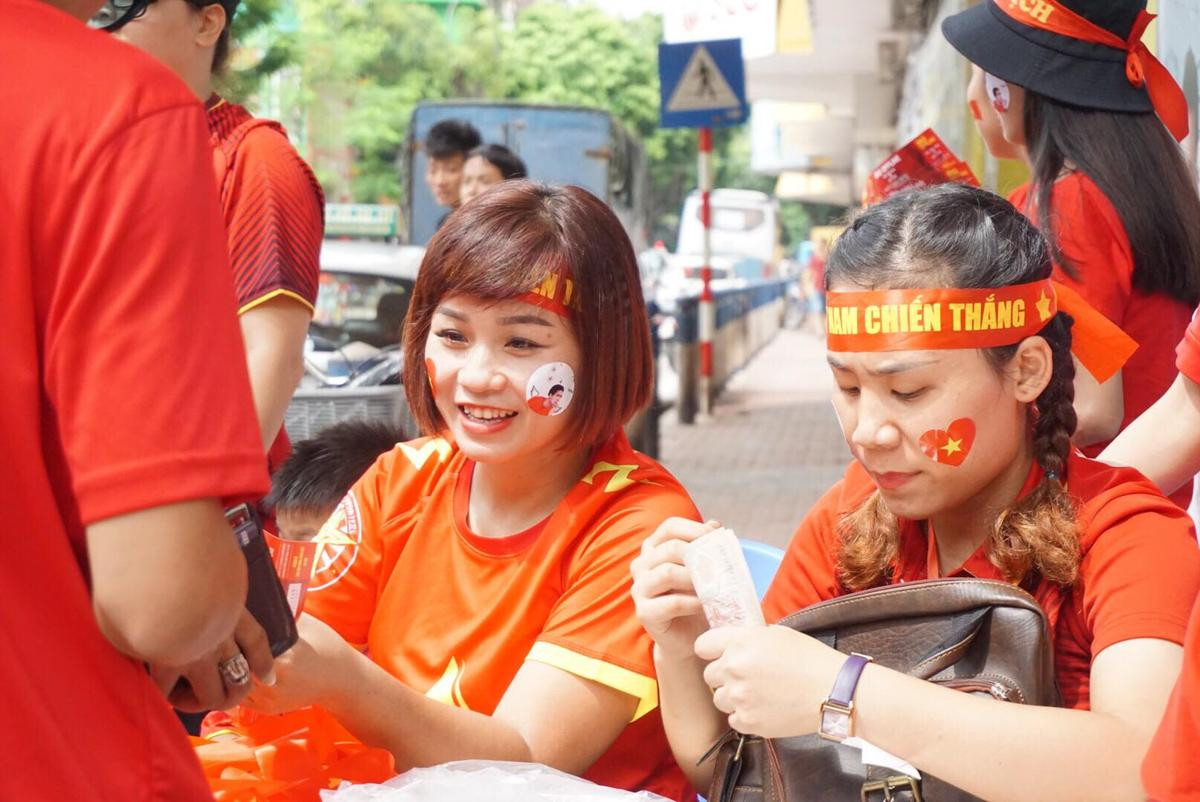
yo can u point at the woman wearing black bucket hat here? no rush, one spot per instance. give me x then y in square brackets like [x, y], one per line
[1073, 83]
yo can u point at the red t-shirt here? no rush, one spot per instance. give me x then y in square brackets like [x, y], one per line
[1171, 771]
[274, 215]
[1187, 354]
[123, 388]
[455, 615]
[1138, 576]
[1092, 237]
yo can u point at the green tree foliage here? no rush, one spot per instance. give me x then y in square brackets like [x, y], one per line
[360, 67]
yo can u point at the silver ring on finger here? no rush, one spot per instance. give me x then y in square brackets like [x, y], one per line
[235, 670]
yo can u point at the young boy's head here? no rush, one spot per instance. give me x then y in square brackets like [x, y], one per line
[446, 149]
[321, 470]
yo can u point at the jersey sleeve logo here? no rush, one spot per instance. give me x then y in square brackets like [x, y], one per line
[419, 456]
[448, 689]
[337, 544]
[619, 479]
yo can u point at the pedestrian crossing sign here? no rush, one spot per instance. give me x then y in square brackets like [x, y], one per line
[703, 84]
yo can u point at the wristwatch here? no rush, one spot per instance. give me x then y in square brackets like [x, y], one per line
[836, 722]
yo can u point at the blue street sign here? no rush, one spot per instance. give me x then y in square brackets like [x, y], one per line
[703, 84]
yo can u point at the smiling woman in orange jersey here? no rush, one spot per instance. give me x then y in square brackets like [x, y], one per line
[960, 428]
[484, 567]
[273, 205]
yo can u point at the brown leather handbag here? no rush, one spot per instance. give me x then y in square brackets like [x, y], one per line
[974, 635]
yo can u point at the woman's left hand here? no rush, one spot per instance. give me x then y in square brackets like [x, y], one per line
[309, 673]
[771, 681]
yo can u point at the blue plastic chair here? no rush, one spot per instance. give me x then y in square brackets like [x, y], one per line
[763, 561]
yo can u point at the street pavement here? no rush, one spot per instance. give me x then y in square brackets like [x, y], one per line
[772, 446]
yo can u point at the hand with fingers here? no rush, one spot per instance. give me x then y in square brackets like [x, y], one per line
[769, 681]
[663, 594]
[220, 680]
[318, 669]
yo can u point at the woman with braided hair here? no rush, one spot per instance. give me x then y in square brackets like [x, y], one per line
[952, 354]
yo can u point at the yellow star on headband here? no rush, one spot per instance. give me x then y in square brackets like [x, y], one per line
[952, 447]
[1043, 307]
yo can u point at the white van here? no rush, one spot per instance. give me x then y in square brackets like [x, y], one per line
[745, 235]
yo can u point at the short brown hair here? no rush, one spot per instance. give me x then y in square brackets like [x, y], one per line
[504, 244]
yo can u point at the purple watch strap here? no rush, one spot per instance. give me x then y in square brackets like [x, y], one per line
[847, 680]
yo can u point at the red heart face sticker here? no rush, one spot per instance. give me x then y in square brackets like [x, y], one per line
[949, 446]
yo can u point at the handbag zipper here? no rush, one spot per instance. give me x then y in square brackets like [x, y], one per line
[997, 690]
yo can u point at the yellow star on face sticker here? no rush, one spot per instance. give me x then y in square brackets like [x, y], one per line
[952, 447]
[1043, 307]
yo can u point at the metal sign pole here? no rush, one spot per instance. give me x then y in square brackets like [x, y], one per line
[708, 318]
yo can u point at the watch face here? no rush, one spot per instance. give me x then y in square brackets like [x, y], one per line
[835, 724]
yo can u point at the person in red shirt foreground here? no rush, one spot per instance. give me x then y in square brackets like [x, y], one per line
[963, 467]
[273, 205]
[484, 568]
[122, 429]
[1095, 113]
[1164, 444]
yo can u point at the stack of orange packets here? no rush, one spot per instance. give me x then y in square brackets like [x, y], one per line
[253, 757]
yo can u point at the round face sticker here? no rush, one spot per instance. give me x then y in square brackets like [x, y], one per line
[997, 90]
[550, 389]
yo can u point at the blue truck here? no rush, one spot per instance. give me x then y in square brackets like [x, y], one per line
[559, 144]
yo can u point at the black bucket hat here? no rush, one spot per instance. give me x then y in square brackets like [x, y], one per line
[1057, 66]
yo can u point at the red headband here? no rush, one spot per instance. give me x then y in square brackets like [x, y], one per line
[1141, 67]
[943, 318]
[556, 294]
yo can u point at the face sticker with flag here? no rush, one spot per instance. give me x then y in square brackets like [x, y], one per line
[949, 446]
[951, 317]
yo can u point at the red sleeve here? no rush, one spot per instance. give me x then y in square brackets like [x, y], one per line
[276, 221]
[593, 630]
[1187, 355]
[143, 359]
[1141, 576]
[1093, 239]
[808, 573]
[1171, 770]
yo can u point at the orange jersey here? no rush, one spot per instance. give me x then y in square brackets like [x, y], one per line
[1138, 576]
[455, 615]
[1092, 236]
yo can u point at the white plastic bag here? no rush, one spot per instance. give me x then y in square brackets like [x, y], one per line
[485, 781]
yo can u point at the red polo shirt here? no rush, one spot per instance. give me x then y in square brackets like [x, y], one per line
[124, 387]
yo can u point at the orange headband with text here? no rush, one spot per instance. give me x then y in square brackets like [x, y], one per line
[944, 318]
[556, 294]
[1141, 67]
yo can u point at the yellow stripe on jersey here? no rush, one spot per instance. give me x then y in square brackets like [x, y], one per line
[273, 294]
[643, 688]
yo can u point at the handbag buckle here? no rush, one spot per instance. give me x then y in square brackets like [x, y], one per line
[889, 786]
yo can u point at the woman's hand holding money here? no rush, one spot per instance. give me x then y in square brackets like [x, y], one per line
[666, 602]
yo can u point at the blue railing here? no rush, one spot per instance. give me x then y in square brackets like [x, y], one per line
[732, 304]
